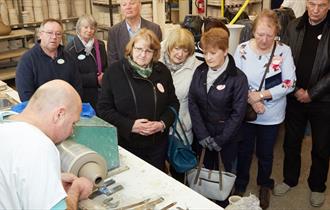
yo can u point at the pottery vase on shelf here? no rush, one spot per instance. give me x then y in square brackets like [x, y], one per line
[4, 29]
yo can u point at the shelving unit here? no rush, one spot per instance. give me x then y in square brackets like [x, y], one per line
[9, 57]
[214, 7]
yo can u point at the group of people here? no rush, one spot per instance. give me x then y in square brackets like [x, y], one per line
[136, 86]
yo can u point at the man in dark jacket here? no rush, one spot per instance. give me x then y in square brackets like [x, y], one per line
[46, 61]
[309, 37]
[121, 33]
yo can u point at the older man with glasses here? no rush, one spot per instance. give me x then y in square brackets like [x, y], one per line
[46, 61]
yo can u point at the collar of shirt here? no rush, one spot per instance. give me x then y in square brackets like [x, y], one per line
[130, 31]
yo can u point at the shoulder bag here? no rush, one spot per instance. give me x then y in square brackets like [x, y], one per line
[250, 114]
[180, 155]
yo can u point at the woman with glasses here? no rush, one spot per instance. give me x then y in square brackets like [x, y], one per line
[178, 55]
[90, 55]
[137, 92]
[253, 57]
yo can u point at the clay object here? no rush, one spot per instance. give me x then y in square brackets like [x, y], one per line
[4, 29]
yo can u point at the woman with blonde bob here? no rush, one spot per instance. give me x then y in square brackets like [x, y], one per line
[137, 92]
[177, 53]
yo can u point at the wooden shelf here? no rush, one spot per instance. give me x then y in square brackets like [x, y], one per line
[106, 4]
[17, 34]
[12, 53]
[37, 24]
[7, 73]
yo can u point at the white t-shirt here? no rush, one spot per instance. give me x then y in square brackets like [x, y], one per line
[30, 173]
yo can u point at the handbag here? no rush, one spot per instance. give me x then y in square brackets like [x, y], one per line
[213, 184]
[251, 114]
[180, 155]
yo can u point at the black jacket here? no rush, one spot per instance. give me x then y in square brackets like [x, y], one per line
[319, 84]
[87, 66]
[126, 96]
[218, 113]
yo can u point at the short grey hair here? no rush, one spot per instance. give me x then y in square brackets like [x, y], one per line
[86, 18]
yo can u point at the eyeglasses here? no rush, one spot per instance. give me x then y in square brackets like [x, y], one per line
[50, 33]
[140, 50]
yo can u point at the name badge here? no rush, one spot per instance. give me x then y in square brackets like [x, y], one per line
[60, 61]
[221, 87]
[160, 87]
[81, 57]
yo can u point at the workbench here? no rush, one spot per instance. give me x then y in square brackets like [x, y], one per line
[142, 181]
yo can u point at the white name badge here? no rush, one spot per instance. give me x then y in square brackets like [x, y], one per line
[81, 57]
[60, 61]
[160, 87]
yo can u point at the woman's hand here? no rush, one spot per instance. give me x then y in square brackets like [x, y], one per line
[140, 125]
[99, 78]
[259, 107]
[254, 97]
[145, 127]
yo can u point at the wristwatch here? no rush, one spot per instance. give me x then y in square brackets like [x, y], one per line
[261, 95]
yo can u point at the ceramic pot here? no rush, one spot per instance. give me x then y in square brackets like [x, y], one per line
[4, 29]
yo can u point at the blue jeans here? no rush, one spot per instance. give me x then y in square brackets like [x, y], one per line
[261, 137]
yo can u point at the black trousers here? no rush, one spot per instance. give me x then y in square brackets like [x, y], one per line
[297, 116]
[154, 154]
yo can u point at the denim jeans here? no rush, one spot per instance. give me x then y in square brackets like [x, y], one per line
[261, 137]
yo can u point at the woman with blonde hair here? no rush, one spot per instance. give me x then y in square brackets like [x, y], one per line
[137, 92]
[177, 53]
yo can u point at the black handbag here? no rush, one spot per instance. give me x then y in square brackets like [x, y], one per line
[180, 155]
[251, 114]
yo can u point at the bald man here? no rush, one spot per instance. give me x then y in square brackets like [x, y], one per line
[30, 173]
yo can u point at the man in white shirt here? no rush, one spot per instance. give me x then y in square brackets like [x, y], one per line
[30, 172]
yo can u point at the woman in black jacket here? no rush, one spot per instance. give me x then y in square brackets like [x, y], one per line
[137, 92]
[90, 56]
[217, 101]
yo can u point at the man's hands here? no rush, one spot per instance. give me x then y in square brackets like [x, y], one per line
[77, 185]
[145, 127]
[302, 96]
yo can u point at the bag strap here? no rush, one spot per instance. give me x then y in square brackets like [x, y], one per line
[98, 57]
[267, 68]
[200, 164]
[178, 121]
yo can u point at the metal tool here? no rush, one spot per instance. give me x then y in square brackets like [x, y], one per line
[107, 203]
[168, 206]
[102, 189]
[134, 204]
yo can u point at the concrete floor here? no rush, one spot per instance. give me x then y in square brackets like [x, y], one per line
[298, 197]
